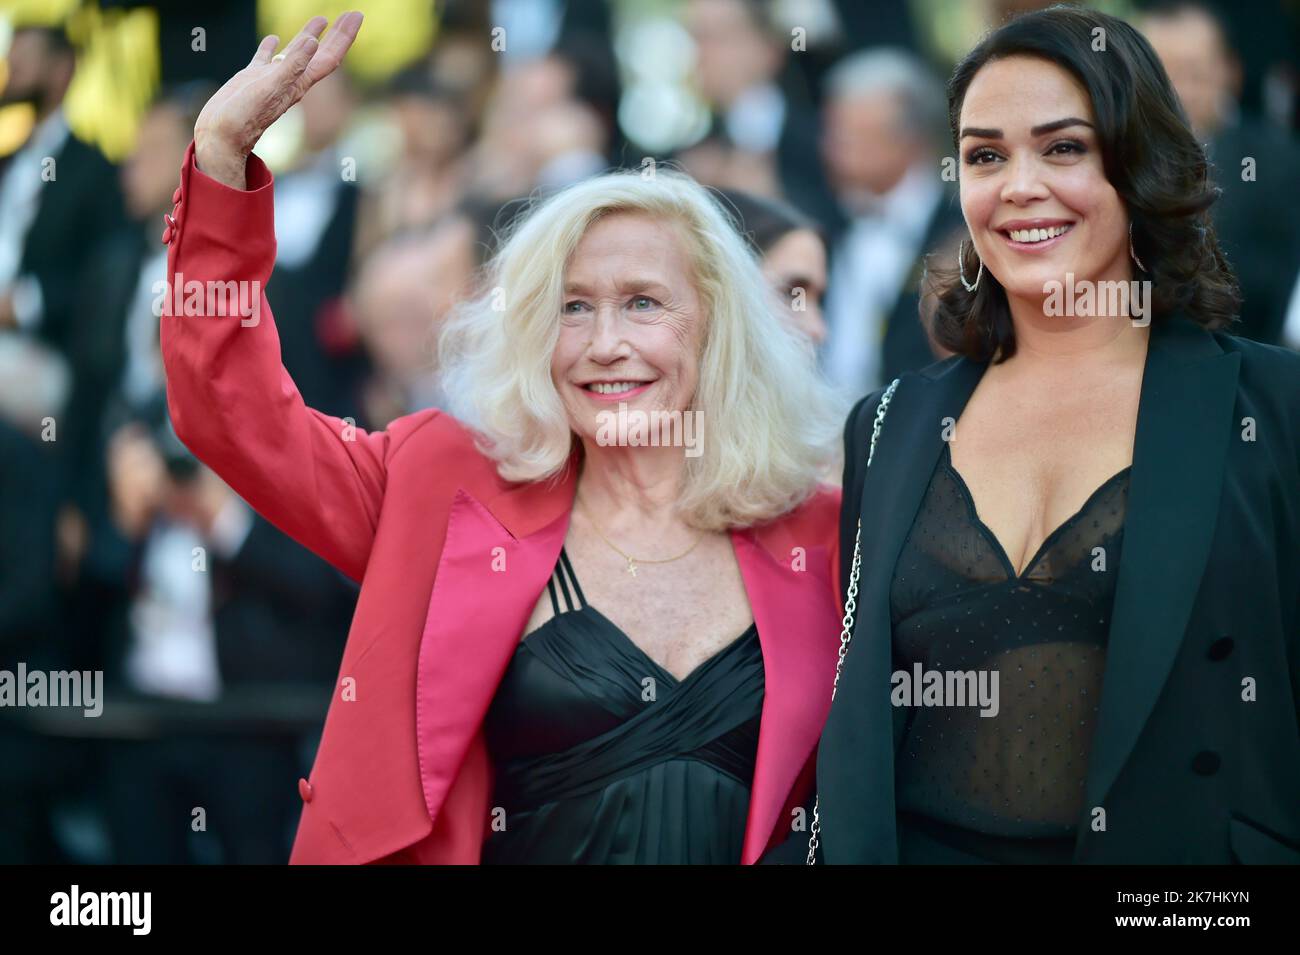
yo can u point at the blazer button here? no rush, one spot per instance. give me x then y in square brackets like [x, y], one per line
[1220, 648]
[306, 792]
[1205, 763]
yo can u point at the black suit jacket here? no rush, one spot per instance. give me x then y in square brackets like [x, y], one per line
[905, 343]
[82, 204]
[1208, 594]
[29, 629]
[1258, 222]
[299, 293]
[280, 613]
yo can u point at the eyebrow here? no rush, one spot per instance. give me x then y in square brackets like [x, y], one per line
[638, 284]
[800, 281]
[1035, 131]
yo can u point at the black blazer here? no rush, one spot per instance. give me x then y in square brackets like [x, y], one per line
[906, 345]
[1258, 222]
[1208, 594]
[81, 205]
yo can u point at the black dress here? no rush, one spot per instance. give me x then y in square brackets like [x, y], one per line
[1010, 787]
[602, 756]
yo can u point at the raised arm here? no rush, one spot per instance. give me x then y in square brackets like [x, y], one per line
[318, 478]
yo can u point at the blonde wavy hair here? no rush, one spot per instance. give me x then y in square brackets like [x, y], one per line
[771, 421]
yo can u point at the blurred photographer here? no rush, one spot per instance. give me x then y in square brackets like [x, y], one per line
[220, 611]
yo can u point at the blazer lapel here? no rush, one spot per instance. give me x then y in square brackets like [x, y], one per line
[495, 560]
[792, 609]
[475, 618]
[857, 747]
[1185, 421]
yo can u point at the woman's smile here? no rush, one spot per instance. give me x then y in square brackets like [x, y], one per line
[616, 390]
[1034, 235]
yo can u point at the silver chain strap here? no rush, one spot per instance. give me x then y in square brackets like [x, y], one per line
[850, 603]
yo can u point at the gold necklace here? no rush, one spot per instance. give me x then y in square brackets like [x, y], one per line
[633, 561]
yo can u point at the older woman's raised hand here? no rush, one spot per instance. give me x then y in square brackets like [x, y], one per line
[235, 117]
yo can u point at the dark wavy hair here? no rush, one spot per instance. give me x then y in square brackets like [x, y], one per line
[1151, 158]
[762, 221]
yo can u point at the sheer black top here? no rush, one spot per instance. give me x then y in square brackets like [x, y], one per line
[1010, 787]
[603, 756]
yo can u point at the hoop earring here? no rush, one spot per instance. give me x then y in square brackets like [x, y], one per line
[961, 268]
[1131, 252]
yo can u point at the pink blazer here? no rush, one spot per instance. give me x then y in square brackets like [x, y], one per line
[451, 561]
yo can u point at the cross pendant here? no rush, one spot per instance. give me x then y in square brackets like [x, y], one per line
[631, 567]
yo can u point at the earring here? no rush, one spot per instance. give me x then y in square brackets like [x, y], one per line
[1136, 260]
[961, 268]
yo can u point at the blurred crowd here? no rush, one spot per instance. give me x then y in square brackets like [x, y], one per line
[822, 123]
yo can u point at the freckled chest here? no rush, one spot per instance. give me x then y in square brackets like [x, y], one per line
[679, 613]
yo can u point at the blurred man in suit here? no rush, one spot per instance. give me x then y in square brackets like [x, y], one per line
[215, 606]
[58, 196]
[316, 214]
[57, 193]
[884, 109]
[763, 119]
[114, 346]
[263, 615]
[33, 384]
[1255, 164]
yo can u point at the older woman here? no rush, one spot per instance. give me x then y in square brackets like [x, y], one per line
[1097, 502]
[597, 618]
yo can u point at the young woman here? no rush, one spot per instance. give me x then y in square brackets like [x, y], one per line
[793, 252]
[1097, 501]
